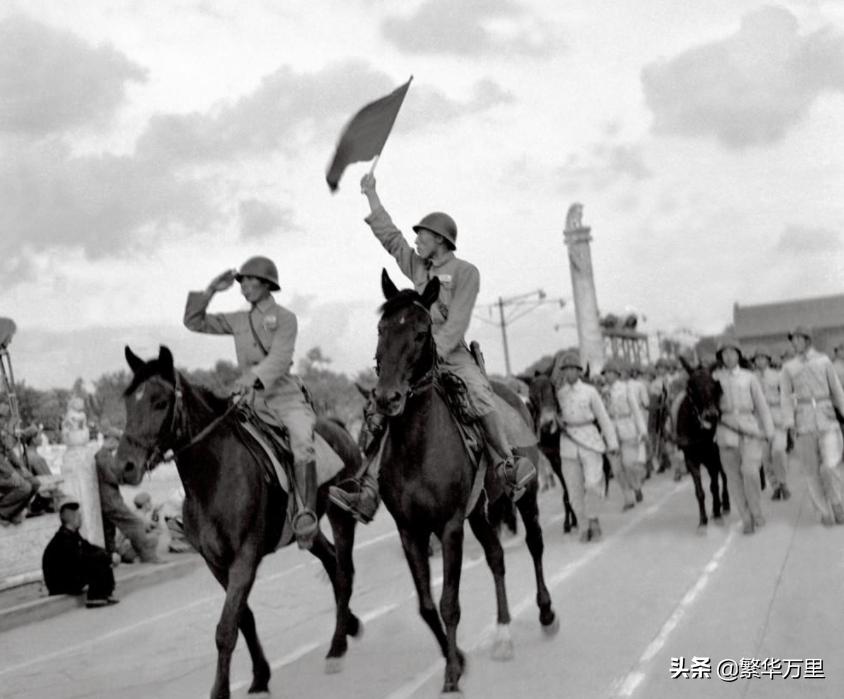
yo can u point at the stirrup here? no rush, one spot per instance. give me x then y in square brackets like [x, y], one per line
[305, 525]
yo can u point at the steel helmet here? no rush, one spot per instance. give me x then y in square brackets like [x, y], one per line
[441, 224]
[568, 359]
[261, 268]
[728, 342]
[801, 330]
[612, 365]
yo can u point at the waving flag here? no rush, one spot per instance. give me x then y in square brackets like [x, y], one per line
[365, 135]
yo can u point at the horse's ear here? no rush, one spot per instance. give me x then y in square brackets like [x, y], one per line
[685, 363]
[165, 362]
[431, 292]
[387, 287]
[134, 361]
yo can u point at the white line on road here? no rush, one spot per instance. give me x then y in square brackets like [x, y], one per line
[217, 597]
[628, 685]
[408, 689]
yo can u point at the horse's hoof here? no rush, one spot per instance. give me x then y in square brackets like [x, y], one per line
[719, 521]
[455, 694]
[358, 634]
[701, 530]
[502, 645]
[333, 666]
[553, 628]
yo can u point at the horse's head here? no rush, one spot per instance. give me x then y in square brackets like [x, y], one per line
[704, 393]
[406, 350]
[543, 404]
[150, 414]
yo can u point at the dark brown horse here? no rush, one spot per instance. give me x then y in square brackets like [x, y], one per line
[426, 476]
[697, 420]
[233, 515]
[545, 410]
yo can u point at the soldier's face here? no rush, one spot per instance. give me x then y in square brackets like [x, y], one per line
[761, 362]
[571, 374]
[254, 289]
[427, 243]
[730, 358]
[799, 342]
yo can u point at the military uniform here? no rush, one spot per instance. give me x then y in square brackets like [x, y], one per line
[631, 431]
[744, 426]
[451, 314]
[774, 458]
[582, 445]
[17, 486]
[810, 393]
[280, 398]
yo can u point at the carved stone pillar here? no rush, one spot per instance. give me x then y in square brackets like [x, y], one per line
[591, 341]
[79, 471]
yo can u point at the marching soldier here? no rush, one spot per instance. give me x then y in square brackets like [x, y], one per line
[744, 426]
[582, 445]
[774, 458]
[631, 431]
[264, 339]
[658, 416]
[811, 392]
[436, 241]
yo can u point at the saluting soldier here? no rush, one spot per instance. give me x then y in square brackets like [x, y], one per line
[582, 444]
[774, 458]
[811, 392]
[436, 241]
[264, 340]
[744, 426]
[631, 431]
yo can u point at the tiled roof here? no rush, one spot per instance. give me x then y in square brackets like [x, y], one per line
[780, 317]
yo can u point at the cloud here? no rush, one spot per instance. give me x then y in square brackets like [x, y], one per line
[52, 81]
[429, 106]
[470, 28]
[603, 166]
[800, 240]
[750, 88]
[260, 218]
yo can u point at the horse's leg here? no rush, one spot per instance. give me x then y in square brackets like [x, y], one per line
[239, 579]
[415, 545]
[570, 521]
[694, 469]
[712, 470]
[529, 509]
[452, 540]
[260, 666]
[502, 648]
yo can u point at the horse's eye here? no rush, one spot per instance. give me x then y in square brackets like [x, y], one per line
[422, 334]
[160, 405]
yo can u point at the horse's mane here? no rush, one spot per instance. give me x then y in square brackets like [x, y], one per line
[404, 298]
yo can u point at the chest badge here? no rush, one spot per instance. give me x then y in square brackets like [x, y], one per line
[270, 323]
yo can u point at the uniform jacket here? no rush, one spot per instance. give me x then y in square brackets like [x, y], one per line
[640, 391]
[810, 389]
[580, 408]
[459, 282]
[771, 381]
[744, 410]
[276, 328]
[624, 411]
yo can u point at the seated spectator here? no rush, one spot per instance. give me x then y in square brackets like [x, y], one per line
[144, 510]
[171, 510]
[116, 515]
[71, 562]
[17, 486]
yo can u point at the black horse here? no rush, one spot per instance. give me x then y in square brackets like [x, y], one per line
[232, 514]
[426, 476]
[697, 420]
[545, 410]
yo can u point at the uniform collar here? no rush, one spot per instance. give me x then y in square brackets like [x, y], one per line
[265, 304]
[447, 257]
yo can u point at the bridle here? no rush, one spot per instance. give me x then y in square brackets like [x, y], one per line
[179, 427]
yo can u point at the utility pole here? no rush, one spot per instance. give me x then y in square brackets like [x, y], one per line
[523, 304]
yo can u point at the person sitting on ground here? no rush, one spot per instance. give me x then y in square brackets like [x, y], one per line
[17, 486]
[70, 562]
[116, 515]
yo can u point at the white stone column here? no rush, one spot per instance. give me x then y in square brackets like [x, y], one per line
[577, 238]
[80, 480]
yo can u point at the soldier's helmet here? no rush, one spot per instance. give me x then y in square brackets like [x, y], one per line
[614, 365]
[568, 359]
[760, 351]
[661, 363]
[801, 330]
[441, 224]
[728, 342]
[262, 268]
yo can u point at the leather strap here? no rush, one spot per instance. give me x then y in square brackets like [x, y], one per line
[255, 334]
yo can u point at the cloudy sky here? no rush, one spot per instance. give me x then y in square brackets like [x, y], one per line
[147, 146]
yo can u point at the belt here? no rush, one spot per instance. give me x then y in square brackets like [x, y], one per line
[738, 412]
[814, 402]
[578, 424]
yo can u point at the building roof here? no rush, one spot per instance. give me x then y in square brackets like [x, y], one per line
[778, 318]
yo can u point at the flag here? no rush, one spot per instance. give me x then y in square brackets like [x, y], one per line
[365, 135]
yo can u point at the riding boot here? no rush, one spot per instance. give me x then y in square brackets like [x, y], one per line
[359, 496]
[515, 471]
[305, 523]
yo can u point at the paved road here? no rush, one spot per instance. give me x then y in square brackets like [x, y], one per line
[650, 591]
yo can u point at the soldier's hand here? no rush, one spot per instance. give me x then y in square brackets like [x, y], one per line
[222, 281]
[367, 184]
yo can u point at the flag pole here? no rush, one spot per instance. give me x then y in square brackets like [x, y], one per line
[374, 163]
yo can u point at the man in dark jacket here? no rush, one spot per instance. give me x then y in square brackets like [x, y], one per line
[71, 562]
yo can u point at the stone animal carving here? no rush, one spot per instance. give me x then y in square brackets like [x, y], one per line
[574, 218]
